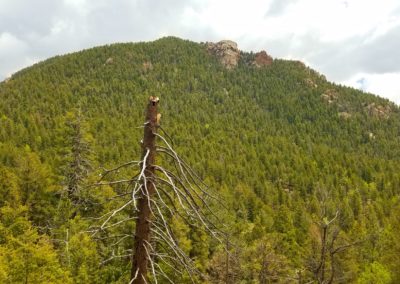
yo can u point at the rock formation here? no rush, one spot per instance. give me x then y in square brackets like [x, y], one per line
[226, 51]
[309, 82]
[262, 59]
[109, 60]
[330, 96]
[378, 111]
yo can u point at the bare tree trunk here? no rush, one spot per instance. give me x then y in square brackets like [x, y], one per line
[323, 255]
[140, 258]
[227, 262]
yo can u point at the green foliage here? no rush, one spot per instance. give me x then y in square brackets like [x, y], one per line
[9, 188]
[375, 273]
[265, 138]
[26, 256]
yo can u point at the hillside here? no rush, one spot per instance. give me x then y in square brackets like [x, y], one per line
[284, 148]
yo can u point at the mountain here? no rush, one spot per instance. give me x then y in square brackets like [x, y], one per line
[287, 151]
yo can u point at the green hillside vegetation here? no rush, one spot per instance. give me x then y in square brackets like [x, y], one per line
[284, 148]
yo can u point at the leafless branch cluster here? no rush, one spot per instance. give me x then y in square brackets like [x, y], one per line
[178, 192]
[327, 244]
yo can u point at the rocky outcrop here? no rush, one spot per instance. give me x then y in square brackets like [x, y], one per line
[378, 111]
[262, 59]
[310, 83]
[109, 60]
[330, 96]
[226, 51]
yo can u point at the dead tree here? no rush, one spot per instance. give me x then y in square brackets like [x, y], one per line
[327, 244]
[79, 164]
[326, 248]
[143, 222]
[156, 194]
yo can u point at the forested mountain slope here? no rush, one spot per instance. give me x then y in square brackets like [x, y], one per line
[285, 148]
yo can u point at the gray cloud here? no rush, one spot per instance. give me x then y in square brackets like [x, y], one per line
[381, 55]
[338, 60]
[343, 59]
[31, 32]
[26, 19]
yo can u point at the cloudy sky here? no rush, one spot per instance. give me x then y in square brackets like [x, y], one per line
[353, 42]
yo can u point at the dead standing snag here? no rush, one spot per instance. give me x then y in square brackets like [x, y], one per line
[156, 194]
[140, 256]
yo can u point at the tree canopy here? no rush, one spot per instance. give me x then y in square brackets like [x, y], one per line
[281, 145]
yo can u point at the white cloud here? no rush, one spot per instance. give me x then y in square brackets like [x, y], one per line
[330, 20]
[81, 6]
[10, 44]
[228, 18]
[11, 47]
[385, 85]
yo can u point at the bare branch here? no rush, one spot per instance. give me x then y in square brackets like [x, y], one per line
[161, 194]
[113, 214]
[106, 171]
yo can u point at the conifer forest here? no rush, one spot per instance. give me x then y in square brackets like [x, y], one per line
[152, 162]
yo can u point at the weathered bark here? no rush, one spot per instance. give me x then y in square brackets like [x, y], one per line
[140, 258]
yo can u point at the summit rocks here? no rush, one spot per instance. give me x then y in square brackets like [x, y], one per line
[226, 51]
[262, 59]
[228, 55]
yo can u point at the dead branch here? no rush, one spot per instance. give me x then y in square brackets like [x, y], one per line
[157, 194]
